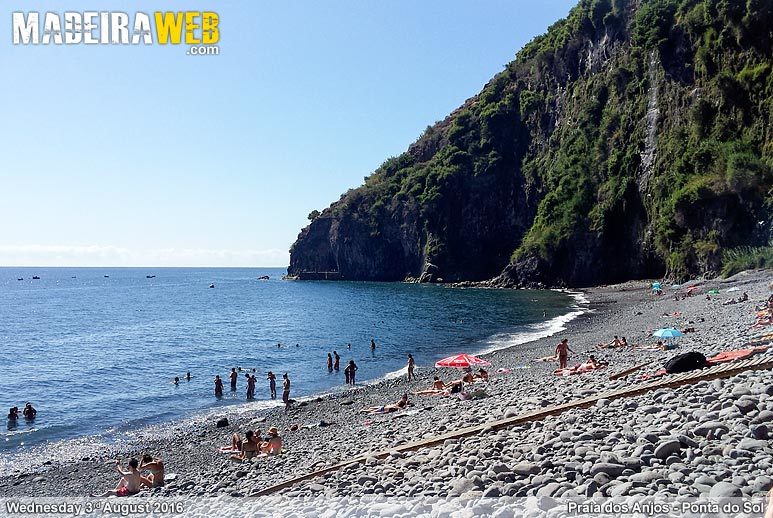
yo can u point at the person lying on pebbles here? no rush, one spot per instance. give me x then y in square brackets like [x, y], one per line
[613, 344]
[482, 375]
[438, 387]
[401, 404]
[590, 364]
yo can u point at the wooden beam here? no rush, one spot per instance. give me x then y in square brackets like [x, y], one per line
[718, 371]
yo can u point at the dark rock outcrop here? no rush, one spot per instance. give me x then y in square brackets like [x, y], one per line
[632, 140]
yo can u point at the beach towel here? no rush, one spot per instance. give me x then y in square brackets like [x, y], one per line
[730, 356]
[758, 340]
[228, 449]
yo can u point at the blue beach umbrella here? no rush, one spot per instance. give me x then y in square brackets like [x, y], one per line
[667, 332]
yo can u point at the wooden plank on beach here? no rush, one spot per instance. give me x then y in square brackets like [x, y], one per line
[626, 372]
[763, 362]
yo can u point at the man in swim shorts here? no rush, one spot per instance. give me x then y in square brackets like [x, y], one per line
[130, 481]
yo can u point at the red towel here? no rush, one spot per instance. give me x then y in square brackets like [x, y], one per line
[730, 356]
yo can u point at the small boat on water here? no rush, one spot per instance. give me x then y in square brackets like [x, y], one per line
[20, 278]
[35, 277]
[150, 276]
[212, 285]
[106, 276]
[263, 278]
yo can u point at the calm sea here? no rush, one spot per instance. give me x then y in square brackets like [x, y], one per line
[96, 349]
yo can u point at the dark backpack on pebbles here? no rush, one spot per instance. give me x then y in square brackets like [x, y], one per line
[685, 362]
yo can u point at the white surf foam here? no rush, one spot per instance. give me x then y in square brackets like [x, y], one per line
[538, 331]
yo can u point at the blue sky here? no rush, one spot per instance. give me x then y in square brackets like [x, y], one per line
[144, 156]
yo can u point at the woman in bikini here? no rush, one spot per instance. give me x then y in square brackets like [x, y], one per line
[250, 447]
[156, 468]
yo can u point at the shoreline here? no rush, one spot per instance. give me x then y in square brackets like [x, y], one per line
[119, 437]
[190, 448]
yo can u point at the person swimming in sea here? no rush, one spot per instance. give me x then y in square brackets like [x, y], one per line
[176, 381]
[329, 362]
[188, 376]
[352, 371]
[272, 384]
[13, 414]
[234, 377]
[337, 362]
[29, 411]
[218, 386]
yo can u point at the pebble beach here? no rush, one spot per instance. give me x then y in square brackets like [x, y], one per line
[707, 438]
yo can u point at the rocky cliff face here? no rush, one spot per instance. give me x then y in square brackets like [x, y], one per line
[632, 140]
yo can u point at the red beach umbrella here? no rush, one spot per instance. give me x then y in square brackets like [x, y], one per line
[461, 361]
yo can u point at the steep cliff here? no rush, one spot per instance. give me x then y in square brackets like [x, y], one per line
[633, 139]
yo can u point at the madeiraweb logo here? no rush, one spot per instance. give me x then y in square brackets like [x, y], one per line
[199, 30]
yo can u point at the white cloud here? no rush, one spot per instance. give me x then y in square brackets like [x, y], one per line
[109, 255]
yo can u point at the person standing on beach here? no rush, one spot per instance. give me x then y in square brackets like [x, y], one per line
[218, 386]
[411, 366]
[272, 384]
[329, 362]
[337, 363]
[352, 369]
[562, 351]
[233, 379]
[286, 391]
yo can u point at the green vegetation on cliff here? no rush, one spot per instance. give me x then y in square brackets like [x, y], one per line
[632, 139]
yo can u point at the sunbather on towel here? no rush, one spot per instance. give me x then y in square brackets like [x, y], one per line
[482, 375]
[613, 344]
[438, 387]
[590, 364]
[402, 403]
